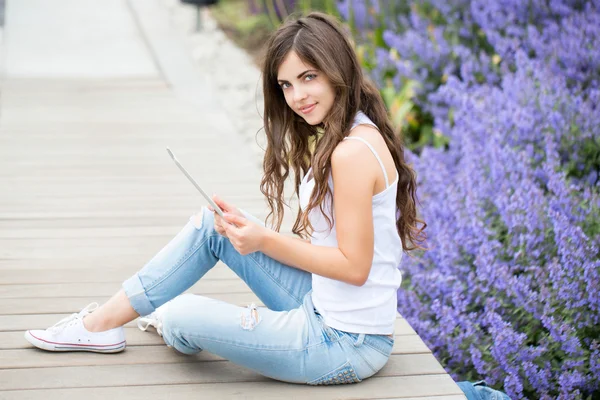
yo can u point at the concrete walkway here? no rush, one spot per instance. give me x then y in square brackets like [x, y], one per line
[74, 38]
[91, 94]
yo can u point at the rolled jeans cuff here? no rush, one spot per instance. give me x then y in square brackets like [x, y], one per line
[137, 296]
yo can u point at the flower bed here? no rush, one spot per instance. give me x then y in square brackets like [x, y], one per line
[509, 290]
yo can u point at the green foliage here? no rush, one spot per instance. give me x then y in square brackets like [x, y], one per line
[327, 6]
[407, 117]
[590, 152]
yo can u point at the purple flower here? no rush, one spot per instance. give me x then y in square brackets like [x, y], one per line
[510, 282]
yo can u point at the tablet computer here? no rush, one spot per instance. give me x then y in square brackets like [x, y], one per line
[210, 201]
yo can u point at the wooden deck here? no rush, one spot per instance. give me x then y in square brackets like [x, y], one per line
[88, 195]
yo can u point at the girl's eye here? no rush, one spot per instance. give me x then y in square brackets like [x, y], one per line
[310, 77]
[284, 85]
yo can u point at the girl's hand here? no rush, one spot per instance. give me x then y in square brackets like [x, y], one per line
[227, 208]
[246, 236]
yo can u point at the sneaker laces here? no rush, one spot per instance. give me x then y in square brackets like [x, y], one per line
[63, 323]
[150, 320]
[154, 319]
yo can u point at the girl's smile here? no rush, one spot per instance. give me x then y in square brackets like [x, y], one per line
[307, 109]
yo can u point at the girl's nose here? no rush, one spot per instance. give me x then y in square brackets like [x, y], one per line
[299, 95]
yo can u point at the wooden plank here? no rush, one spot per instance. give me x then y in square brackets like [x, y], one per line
[250, 198]
[38, 236]
[442, 397]
[148, 199]
[159, 353]
[409, 344]
[125, 375]
[23, 85]
[92, 270]
[403, 344]
[102, 161]
[95, 214]
[170, 179]
[79, 249]
[402, 327]
[42, 224]
[140, 354]
[59, 211]
[13, 339]
[411, 387]
[99, 270]
[97, 208]
[48, 197]
[203, 287]
[83, 116]
[20, 323]
[66, 304]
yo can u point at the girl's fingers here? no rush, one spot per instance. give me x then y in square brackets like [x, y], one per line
[218, 222]
[217, 200]
[227, 226]
[222, 203]
[235, 219]
[219, 228]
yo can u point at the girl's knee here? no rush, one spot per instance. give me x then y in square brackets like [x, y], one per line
[175, 314]
[179, 342]
[203, 219]
[174, 324]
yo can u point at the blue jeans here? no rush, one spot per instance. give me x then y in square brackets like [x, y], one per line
[287, 340]
[480, 391]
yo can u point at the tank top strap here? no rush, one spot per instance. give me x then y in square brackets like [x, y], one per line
[362, 119]
[376, 156]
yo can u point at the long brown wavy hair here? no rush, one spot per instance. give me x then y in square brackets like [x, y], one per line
[318, 40]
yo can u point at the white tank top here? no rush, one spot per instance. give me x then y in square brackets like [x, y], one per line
[370, 308]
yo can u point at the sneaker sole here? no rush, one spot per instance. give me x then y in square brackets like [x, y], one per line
[52, 346]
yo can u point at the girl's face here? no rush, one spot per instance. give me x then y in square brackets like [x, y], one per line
[307, 91]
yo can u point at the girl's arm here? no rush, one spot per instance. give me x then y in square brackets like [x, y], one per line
[354, 171]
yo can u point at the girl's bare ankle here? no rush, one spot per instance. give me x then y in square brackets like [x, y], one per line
[92, 325]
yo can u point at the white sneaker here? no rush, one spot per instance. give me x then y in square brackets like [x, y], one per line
[69, 334]
[154, 319]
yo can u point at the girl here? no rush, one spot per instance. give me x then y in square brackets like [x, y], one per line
[331, 293]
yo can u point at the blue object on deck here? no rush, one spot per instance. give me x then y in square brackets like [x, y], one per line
[480, 391]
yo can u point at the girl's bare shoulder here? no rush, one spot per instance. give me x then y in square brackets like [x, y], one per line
[366, 132]
[355, 152]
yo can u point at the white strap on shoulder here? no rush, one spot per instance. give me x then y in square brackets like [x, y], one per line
[376, 156]
[362, 119]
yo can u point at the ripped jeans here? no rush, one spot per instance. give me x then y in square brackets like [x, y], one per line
[287, 340]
